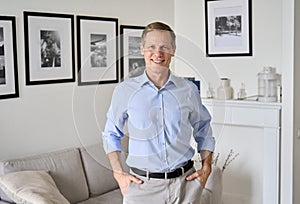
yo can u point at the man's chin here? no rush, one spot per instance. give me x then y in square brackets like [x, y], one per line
[158, 66]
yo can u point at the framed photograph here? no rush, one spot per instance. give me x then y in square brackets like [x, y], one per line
[97, 50]
[9, 86]
[228, 28]
[49, 48]
[132, 61]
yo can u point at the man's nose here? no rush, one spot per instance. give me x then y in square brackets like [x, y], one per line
[158, 51]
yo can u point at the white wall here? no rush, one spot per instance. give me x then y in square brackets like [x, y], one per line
[296, 148]
[49, 117]
[287, 133]
[273, 31]
[267, 26]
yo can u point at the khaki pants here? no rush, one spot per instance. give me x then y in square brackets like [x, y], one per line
[164, 191]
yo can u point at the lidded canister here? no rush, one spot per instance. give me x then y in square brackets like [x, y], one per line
[267, 84]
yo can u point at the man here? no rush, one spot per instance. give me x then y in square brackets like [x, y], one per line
[162, 112]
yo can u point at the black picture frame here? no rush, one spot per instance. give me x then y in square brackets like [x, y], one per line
[97, 44]
[9, 86]
[49, 48]
[228, 28]
[132, 62]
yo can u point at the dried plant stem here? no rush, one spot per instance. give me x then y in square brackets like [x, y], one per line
[229, 159]
[215, 160]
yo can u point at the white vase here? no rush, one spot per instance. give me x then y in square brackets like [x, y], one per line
[225, 91]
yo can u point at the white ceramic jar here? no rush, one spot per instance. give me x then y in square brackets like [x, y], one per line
[225, 91]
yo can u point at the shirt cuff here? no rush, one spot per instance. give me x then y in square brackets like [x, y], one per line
[111, 146]
[209, 145]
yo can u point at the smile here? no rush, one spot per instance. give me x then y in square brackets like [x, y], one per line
[157, 61]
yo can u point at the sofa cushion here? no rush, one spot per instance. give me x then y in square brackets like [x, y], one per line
[4, 197]
[29, 187]
[65, 168]
[98, 171]
[112, 197]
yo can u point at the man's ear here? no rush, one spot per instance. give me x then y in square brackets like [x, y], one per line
[173, 52]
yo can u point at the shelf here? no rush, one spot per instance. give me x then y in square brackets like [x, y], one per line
[239, 118]
[242, 102]
[244, 113]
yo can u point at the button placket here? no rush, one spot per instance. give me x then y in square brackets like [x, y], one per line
[164, 151]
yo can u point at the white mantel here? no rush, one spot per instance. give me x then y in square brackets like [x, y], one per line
[252, 129]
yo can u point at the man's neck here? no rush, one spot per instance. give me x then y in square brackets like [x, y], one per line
[158, 79]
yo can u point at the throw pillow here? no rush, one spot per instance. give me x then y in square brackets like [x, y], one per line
[31, 187]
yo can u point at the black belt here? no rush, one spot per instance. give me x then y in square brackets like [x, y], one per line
[165, 175]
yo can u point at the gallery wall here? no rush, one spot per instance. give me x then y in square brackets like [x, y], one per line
[55, 116]
[49, 117]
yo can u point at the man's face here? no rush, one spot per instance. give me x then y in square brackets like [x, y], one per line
[157, 49]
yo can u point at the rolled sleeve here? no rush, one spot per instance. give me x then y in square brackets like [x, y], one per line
[112, 133]
[111, 142]
[200, 121]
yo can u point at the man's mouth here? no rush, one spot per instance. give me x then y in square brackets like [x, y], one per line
[157, 61]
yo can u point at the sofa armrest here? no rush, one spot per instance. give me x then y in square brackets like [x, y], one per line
[4, 198]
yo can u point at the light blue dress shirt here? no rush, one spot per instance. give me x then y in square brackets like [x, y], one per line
[160, 123]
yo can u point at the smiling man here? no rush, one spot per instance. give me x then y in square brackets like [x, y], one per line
[162, 112]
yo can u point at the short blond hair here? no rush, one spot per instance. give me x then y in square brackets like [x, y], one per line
[159, 26]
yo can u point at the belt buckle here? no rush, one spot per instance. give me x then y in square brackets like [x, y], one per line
[166, 175]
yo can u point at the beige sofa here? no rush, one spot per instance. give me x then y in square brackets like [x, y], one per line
[81, 175]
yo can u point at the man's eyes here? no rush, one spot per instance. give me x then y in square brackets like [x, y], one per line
[153, 47]
[165, 48]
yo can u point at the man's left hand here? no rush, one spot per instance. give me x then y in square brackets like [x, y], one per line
[201, 174]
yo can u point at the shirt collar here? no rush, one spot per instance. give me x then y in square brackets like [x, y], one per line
[174, 79]
[143, 79]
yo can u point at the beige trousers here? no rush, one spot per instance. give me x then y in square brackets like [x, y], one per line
[164, 191]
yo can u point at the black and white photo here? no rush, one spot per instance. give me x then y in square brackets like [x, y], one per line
[2, 58]
[49, 48]
[97, 46]
[98, 50]
[136, 62]
[136, 67]
[134, 49]
[228, 28]
[228, 31]
[9, 86]
[132, 61]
